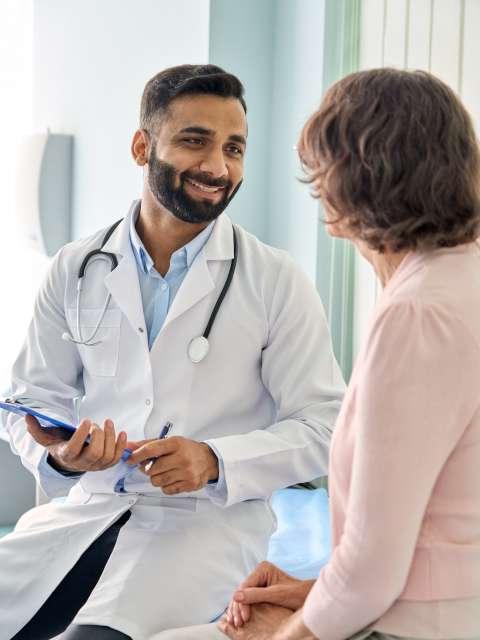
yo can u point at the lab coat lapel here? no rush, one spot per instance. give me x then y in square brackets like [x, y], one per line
[122, 282]
[200, 279]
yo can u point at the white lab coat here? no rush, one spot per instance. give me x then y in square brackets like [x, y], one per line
[266, 398]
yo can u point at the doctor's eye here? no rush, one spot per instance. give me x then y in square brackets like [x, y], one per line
[235, 150]
[196, 142]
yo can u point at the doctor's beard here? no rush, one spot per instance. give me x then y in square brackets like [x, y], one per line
[161, 180]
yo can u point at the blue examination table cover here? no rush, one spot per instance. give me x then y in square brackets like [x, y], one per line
[302, 543]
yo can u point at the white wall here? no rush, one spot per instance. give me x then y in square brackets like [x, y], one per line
[440, 36]
[19, 269]
[92, 60]
[16, 28]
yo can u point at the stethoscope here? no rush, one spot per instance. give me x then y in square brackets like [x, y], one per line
[198, 347]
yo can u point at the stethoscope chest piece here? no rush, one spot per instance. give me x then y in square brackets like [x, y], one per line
[198, 349]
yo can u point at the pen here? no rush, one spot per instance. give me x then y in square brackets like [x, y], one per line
[165, 431]
[163, 434]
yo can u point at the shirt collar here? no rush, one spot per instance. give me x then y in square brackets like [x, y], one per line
[183, 256]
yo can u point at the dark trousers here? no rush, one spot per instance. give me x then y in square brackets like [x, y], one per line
[63, 604]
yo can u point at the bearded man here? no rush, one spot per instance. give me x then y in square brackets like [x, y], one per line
[172, 322]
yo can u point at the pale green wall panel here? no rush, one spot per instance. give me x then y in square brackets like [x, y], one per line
[241, 41]
[297, 90]
[336, 276]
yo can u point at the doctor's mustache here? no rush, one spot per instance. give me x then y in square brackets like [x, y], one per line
[205, 178]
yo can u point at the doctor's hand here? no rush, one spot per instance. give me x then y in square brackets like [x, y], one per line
[176, 464]
[104, 449]
[267, 584]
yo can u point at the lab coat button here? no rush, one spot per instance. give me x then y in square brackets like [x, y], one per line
[148, 402]
[132, 502]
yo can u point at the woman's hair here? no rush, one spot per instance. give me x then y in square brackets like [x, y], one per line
[394, 156]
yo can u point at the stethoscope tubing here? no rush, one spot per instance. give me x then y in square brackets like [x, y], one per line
[99, 253]
[226, 287]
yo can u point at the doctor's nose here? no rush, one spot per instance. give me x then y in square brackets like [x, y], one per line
[214, 163]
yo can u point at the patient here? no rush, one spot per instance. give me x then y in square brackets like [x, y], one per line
[394, 159]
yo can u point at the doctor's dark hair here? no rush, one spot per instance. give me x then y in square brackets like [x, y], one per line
[394, 156]
[186, 79]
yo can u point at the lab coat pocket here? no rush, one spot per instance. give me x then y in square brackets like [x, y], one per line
[164, 515]
[98, 359]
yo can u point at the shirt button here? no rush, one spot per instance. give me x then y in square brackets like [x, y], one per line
[148, 402]
[164, 287]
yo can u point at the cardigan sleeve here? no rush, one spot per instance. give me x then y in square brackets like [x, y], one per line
[415, 393]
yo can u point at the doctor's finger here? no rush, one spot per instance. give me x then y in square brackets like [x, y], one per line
[176, 487]
[120, 446]
[42, 436]
[166, 479]
[93, 453]
[136, 444]
[110, 441]
[77, 441]
[153, 449]
[159, 466]
[112, 457]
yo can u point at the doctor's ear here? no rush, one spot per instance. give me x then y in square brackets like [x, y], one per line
[140, 147]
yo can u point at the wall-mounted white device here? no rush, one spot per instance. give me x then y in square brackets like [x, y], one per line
[43, 190]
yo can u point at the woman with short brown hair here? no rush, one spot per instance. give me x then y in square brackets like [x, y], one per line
[393, 156]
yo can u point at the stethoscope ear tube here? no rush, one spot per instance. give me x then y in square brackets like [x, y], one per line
[81, 272]
[97, 252]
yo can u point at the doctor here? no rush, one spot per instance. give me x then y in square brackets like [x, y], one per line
[247, 397]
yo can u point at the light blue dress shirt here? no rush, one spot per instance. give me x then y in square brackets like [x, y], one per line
[158, 292]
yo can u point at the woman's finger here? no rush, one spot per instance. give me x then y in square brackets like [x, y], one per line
[244, 612]
[237, 616]
[229, 614]
[258, 595]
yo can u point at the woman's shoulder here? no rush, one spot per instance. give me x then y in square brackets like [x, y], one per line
[443, 285]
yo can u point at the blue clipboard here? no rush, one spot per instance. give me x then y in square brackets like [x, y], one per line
[46, 422]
